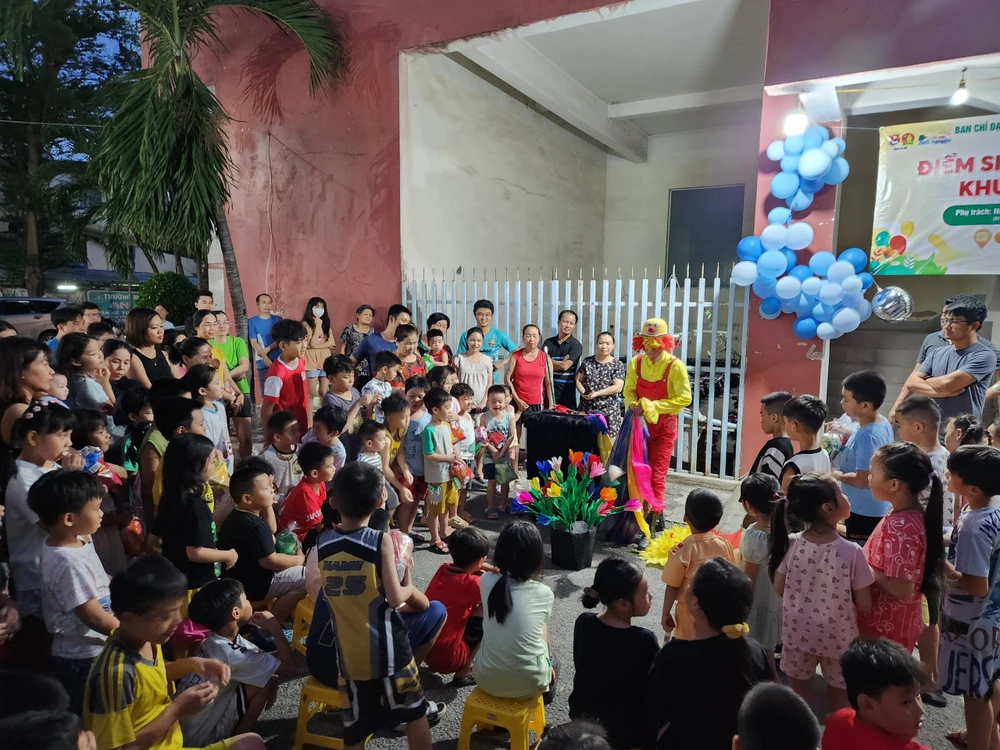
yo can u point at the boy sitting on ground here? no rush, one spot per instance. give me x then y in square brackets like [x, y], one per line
[127, 702]
[883, 686]
[456, 586]
[263, 572]
[222, 607]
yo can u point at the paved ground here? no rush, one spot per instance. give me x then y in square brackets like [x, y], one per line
[278, 724]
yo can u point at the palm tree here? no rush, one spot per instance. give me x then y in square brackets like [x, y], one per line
[164, 164]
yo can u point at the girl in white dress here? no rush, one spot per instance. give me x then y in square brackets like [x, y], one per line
[758, 494]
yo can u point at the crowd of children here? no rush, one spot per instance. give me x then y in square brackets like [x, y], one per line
[134, 531]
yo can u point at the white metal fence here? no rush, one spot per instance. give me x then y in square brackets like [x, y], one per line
[708, 318]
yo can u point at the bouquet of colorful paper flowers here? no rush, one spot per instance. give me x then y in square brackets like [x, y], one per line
[581, 497]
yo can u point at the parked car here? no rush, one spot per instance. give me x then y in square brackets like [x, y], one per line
[29, 315]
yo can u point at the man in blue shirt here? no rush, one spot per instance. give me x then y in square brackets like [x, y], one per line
[265, 351]
[861, 396]
[372, 346]
[494, 340]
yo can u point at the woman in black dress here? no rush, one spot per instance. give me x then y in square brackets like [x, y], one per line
[600, 382]
[144, 333]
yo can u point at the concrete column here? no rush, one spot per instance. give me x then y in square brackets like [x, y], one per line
[776, 359]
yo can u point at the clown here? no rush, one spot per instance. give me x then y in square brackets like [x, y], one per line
[657, 388]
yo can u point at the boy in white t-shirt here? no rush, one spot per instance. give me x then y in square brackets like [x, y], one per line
[466, 423]
[76, 600]
[804, 419]
[223, 608]
[282, 454]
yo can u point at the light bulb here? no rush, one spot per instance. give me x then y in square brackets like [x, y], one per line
[961, 95]
[796, 123]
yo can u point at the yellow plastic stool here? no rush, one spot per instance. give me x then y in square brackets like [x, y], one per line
[516, 715]
[300, 624]
[316, 698]
[263, 604]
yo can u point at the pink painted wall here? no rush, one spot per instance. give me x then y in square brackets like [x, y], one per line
[815, 39]
[333, 179]
[777, 360]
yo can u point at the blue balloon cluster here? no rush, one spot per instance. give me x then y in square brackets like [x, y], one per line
[827, 294]
[808, 162]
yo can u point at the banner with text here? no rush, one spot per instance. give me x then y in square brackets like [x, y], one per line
[937, 209]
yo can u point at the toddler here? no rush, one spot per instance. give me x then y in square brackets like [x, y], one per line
[206, 389]
[499, 439]
[466, 444]
[409, 463]
[386, 367]
[823, 580]
[758, 495]
[81, 360]
[883, 686]
[624, 591]
[59, 392]
[698, 685]
[702, 513]
[436, 352]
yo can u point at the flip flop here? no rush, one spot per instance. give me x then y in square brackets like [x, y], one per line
[439, 549]
[492, 514]
[466, 681]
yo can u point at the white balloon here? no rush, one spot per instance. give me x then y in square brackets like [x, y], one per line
[814, 163]
[852, 284]
[831, 293]
[831, 148]
[775, 236]
[840, 271]
[826, 331]
[800, 236]
[811, 286]
[776, 150]
[865, 310]
[846, 320]
[745, 273]
[787, 288]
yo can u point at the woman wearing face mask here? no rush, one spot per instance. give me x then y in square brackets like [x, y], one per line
[319, 346]
[600, 379]
[657, 389]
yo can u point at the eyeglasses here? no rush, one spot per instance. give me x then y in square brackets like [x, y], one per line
[946, 321]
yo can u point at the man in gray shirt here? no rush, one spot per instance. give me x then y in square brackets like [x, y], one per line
[937, 339]
[957, 375]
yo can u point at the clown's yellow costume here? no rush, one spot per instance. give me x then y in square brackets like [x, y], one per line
[658, 382]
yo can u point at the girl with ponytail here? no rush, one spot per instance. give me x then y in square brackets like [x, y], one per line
[906, 550]
[609, 650]
[513, 659]
[823, 579]
[699, 685]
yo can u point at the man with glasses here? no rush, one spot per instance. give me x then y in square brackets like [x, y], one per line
[957, 372]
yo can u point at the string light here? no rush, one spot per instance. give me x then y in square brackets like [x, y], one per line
[961, 95]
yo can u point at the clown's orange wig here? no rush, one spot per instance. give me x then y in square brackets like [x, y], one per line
[652, 343]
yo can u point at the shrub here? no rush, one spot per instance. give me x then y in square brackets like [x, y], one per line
[171, 290]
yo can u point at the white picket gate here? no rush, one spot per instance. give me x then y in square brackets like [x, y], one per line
[708, 318]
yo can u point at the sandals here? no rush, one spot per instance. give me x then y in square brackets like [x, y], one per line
[466, 681]
[492, 514]
[440, 548]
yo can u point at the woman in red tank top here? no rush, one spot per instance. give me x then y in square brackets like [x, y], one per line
[528, 373]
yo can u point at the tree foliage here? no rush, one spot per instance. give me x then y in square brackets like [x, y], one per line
[172, 290]
[56, 58]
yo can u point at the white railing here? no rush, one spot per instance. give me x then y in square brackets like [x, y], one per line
[708, 318]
